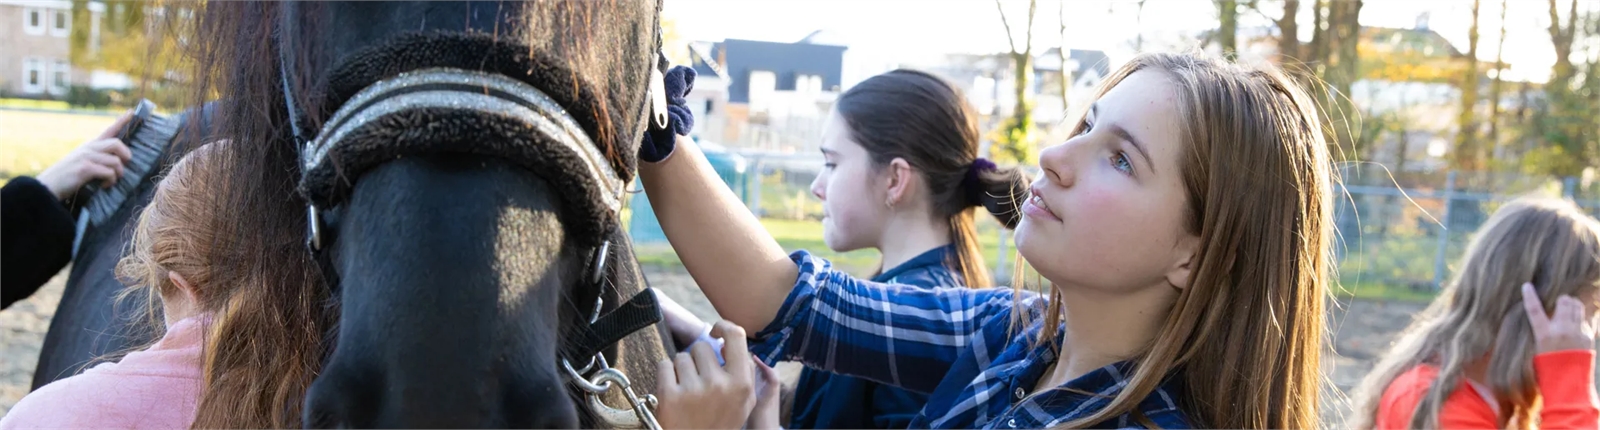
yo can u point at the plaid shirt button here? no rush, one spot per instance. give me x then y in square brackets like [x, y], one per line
[1021, 394]
[1011, 423]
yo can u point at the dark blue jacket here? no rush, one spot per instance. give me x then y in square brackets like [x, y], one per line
[824, 400]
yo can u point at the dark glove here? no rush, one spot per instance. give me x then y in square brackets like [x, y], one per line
[658, 142]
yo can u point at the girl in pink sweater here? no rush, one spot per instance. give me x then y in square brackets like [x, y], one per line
[159, 386]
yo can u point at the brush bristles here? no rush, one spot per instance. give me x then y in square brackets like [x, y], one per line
[148, 143]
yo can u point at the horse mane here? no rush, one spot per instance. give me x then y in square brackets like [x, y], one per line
[279, 298]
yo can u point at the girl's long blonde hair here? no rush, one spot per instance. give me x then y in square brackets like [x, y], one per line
[1244, 338]
[264, 342]
[1548, 242]
[176, 233]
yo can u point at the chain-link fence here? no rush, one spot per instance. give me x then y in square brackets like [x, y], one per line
[1409, 229]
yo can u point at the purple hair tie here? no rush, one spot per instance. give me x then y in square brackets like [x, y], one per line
[974, 184]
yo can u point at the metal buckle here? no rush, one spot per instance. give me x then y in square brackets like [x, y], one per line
[606, 378]
[313, 228]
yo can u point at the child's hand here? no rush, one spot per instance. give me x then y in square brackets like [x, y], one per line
[696, 393]
[1566, 328]
[765, 414]
[99, 158]
[684, 326]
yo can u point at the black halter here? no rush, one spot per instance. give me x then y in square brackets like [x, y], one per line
[454, 88]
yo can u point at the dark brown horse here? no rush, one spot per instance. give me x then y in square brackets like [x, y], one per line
[457, 171]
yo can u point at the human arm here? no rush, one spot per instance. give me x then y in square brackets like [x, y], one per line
[35, 238]
[739, 266]
[898, 335]
[1564, 366]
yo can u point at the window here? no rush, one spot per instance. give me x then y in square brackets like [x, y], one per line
[32, 76]
[762, 85]
[808, 84]
[61, 25]
[60, 77]
[33, 21]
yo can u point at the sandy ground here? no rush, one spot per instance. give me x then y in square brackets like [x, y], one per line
[1363, 329]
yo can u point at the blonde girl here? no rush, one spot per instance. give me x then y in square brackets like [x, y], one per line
[1184, 231]
[1509, 342]
[159, 386]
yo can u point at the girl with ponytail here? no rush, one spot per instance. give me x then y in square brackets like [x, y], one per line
[902, 176]
[1185, 231]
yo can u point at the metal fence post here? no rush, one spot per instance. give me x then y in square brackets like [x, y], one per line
[1000, 271]
[753, 182]
[1444, 231]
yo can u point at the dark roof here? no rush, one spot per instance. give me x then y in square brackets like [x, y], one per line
[786, 60]
[705, 63]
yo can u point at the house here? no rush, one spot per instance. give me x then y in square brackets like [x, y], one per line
[765, 95]
[35, 48]
[989, 83]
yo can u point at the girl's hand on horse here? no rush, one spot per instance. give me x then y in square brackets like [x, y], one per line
[1568, 327]
[696, 393]
[685, 327]
[99, 158]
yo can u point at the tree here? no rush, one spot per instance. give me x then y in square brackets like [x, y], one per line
[1495, 86]
[1289, 35]
[1562, 37]
[673, 46]
[145, 41]
[1066, 72]
[1014, 139]
[1228, 32]
[1335, 46]
[1566, 124]
[1467, 154]
[1138, 19]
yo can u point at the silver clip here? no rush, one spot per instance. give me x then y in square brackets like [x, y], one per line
[314, 228]
[658, 98]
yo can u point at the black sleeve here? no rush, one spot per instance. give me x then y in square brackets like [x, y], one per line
[35, 238]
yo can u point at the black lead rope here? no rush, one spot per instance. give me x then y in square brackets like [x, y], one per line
[638, 313]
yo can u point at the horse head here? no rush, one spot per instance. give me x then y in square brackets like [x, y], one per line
[463, 166]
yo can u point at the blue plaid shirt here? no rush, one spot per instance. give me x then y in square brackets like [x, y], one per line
[953, 343]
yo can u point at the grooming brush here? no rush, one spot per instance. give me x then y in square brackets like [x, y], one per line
[147, 136]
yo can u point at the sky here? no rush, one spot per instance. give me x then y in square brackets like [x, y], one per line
[913, 29]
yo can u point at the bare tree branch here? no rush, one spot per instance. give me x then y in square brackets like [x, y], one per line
[1011, 40]
[1028, 48]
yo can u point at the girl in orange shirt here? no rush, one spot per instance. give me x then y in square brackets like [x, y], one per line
[1509, 343]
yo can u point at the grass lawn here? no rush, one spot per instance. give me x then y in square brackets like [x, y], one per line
[1368, 290]
[35, 104]
[32, 140]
